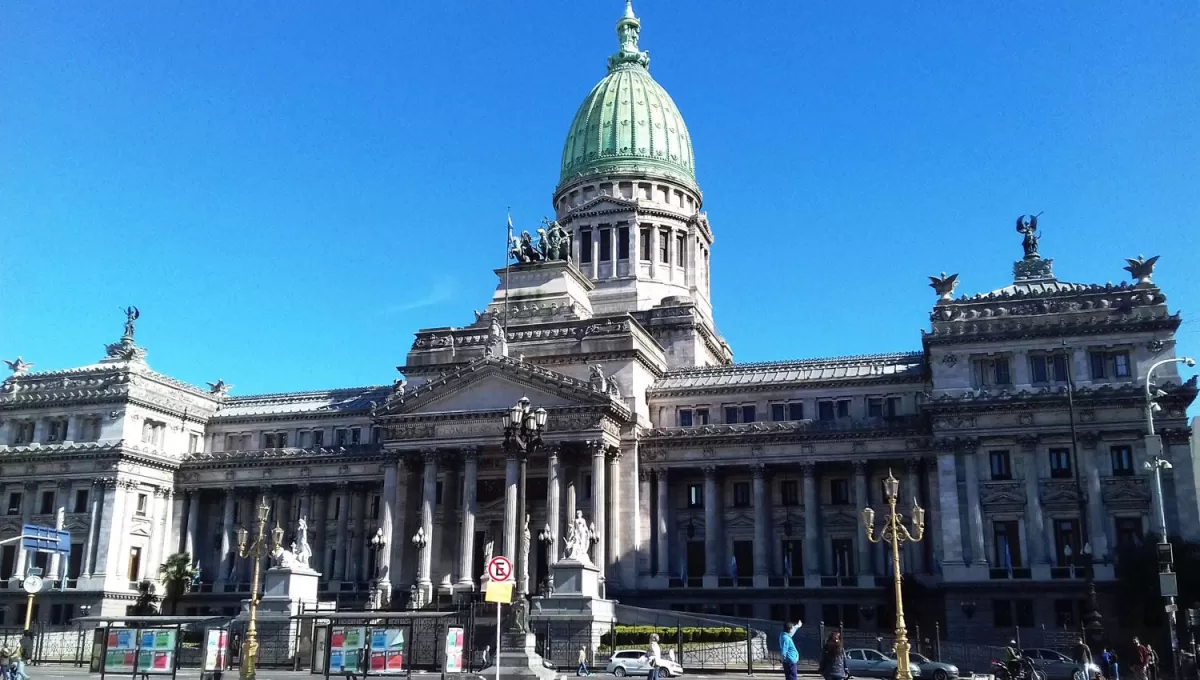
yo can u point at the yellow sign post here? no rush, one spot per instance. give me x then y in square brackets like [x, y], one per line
[498, 589]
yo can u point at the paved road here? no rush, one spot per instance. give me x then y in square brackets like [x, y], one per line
[69, 672]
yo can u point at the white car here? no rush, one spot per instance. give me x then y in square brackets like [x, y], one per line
[633, 662]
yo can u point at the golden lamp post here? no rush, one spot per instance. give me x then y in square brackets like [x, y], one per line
[257, 550]
[894, 533]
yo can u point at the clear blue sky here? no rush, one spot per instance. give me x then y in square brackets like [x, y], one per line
[290, 190]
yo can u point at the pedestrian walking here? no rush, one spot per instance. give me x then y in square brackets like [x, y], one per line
[1141, 660]
[1152, 667]
[1082, 656]
[654, 657]
[1109, 664]
[582, 669]
[833, 658]
[485, 657]
[5, 661]
[789, 656]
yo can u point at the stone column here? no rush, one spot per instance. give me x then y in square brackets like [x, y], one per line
[470, 507]
[429, 491]
[60, 510]
[572, 494]
[167, 542]
[324, 558]
[1035, 541]
[598, 505]
[154, 547]
[512, 476]
[227, 539]
[1097, 516]
[306, 504]
[664, 522]
[762, 524]
[974, 513]
[360, 545]
[89, 548]
[863, 498]
[712, 525]
[111, 523]
[612, 550]
[812, 522]
[193, 522]
[401, 539]
[913, 551]
[448, 539]
[553, 502]
[342, 510]
[387, 511]
[951, 526]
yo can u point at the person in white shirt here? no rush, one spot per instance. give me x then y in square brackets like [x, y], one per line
[654, 657]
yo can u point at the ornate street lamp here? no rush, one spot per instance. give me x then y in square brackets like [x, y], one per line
[256, 550]
[522, 436]
[378, 544]
[895, 533]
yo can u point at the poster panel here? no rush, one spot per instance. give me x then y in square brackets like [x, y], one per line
[157, 653]
[387, 650]
[344, 643]
[215, 643]
[454, 649]
[120, 650]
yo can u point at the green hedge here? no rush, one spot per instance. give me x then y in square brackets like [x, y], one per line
[640, 635]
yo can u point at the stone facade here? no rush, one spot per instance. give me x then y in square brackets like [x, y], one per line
[713, 486]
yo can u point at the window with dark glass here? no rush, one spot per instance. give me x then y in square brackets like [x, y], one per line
[796, 411]
[1064, 613]
[356, 435]
[623, 243]
[875, 407]
[143, 500]
[778, 412]
[893, 407]
[695, 495]
[8, 561]
[269, 440]
[685, 417]
[842, 556]
[1066, 542]
[585, 245]
[1001, 464]
[376, 434]
[437, 493]
[318, 437]
[1122, 461]
[1046, 368]
[1002, 614]
[374, 507]
[1129, 533]
[824, 410]
[843, 408]
[789, 492]
[992, 372]
[680, 249]
[1006, 543]
[664, 246]
[749, 414]
[741, 494]
[644, 253]
[47, 503]
[340, 437]
[14, 503]
[701, 416]
[731, 414]
[1121, 364]
[81, 501]
[839, 491]
[1060, 463]
[1096, 359]
[605, 245]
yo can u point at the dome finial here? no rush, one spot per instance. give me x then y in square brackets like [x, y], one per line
[628, 29]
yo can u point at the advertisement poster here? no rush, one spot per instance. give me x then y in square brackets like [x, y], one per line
[215, 642]
[120, 651]
[387, 650]
[157, 653]
[454, 650]
[344, 644]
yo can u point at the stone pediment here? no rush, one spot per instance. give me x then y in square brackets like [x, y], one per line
[600, 205]
[997, 495]
[495, 383]
[1126, 493]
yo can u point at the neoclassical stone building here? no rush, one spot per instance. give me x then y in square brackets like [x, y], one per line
[713, 485]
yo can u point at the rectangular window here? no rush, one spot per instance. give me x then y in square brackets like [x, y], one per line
[843, 408]
[741, 494]
[14, 503]
[1060, 463]
[81, 501]
[623, 243]
[1129, 533]
[684, 417]
[269, 441]
[281, 439]
[1002, 614]
[824, 410]
[875, 407]
[374, 507]
[748, 414]
[789, 492]
[142, 501]
[232, 442]
[664, 246]
[8, 561]
[193, 442]
[778, 412]
[340, 437]
[893, 407]
[585, 245]
[1096, 359]
[1066, 542]
[1046, 368]
[1006, 542]
[318, 438]
[605, 245]
[1001, 464]
[355, 435]
[1122, 461]
[56, 430]
[992, 372]
[843, 556]
[135, 564]
[437, 494]
[75, 561]
[23, 434]
[376, 434]
[680, 249]
[695, 495]
[732, 413]
[701, 416]
[795, 411]
[1064, 613]
[1121, 364]
[47, 507]
[644, 253]
[839, 491]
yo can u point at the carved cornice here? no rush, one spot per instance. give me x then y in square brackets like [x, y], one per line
[784, 432]
[1121, 395]
[232, 459]
[998, 330]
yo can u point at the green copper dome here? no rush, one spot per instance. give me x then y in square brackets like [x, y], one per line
[628, 121]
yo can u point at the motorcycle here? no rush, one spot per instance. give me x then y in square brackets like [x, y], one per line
[1025, 670]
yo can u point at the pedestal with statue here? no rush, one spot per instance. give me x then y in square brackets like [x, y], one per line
[288, 585]
[571, 604]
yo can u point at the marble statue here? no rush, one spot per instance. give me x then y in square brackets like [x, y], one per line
[302, 549]
[578, 540]
[284, 559]
[525, 557]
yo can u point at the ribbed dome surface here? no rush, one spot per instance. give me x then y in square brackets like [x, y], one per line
[628, 121]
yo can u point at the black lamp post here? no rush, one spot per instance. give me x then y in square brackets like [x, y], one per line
[523, 428]
[1093, 625]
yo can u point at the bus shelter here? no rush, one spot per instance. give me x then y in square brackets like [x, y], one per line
[148, 646]
[389, 644]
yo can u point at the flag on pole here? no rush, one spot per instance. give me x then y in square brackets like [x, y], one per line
[733, 566]
[1008, 565]
[683, 572]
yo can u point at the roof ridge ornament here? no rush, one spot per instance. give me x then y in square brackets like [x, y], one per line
[126, 349]
[21, 367]
[1031, 267]
[629, 27]
[1141, 269]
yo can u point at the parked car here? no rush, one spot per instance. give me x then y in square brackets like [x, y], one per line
[1056, 665]
[929, 668]
[869, 663]
[633, 662]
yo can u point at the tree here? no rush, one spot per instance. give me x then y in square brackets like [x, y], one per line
[146, 600]
[177, 574]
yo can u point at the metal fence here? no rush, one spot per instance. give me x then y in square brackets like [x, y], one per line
[51, 644]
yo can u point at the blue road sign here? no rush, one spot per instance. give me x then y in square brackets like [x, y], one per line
[45, 539]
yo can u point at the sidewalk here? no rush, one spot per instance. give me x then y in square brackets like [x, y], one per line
[71, 672]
